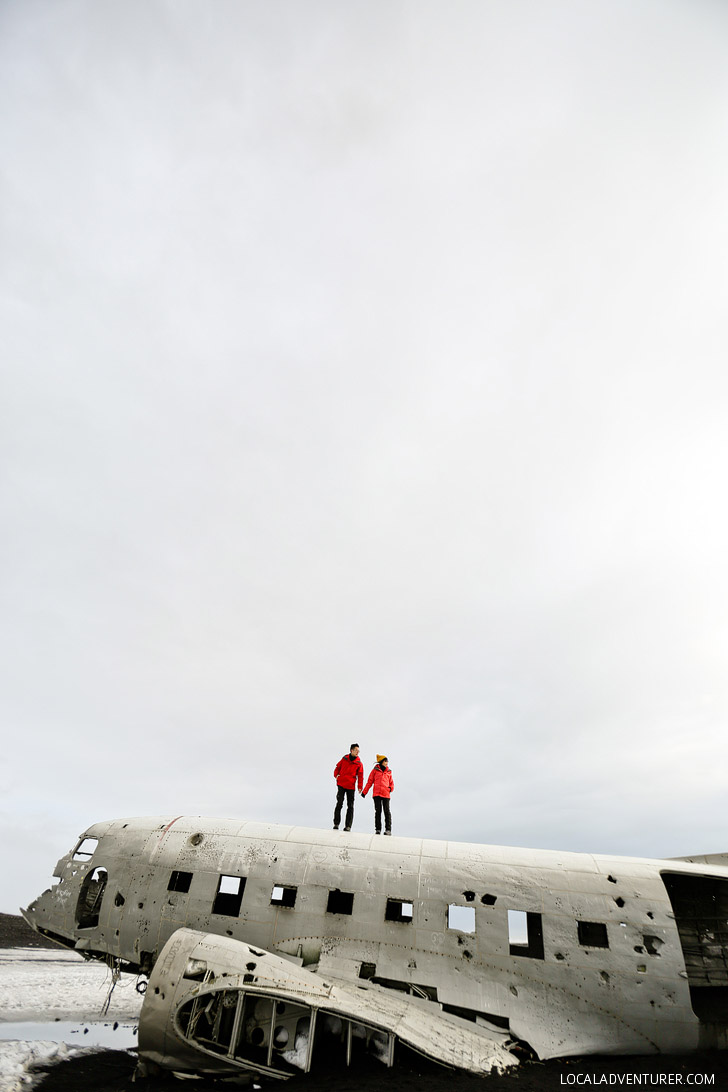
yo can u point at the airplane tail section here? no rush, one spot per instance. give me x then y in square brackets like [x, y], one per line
[720, 859]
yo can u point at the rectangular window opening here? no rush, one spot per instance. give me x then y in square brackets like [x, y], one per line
[179, 881]
[525, 934]
[229, 896]
[196, 969]
[399, 910]
[518, 928]
[461, 918]
[283, 896]
[340, 902]
[85, 849]
[592, 934]
[89, 900]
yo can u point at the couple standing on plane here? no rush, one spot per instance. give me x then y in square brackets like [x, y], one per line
[348, 772]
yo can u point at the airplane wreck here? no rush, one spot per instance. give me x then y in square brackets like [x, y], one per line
[265, 947]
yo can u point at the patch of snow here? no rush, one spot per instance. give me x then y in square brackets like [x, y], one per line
[298, 1055]
[41, 985]
[17, 1060]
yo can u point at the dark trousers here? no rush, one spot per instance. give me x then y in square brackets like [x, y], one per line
[379, 803]
[340, 791]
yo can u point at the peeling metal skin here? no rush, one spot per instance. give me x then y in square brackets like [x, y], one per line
[569, 953]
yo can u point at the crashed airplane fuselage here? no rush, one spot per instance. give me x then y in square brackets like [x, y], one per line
[263, 942]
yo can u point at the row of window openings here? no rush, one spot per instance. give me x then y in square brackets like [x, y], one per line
[525, 934]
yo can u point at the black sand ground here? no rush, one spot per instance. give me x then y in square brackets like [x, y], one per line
[14, 933]
[113, 1070]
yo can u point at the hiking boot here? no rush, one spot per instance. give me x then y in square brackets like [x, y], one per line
[347, 828]
[388, 832]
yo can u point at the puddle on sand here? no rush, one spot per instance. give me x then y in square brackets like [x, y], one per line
[87, 1034]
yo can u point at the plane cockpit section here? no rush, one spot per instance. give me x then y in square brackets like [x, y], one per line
[215, 1005]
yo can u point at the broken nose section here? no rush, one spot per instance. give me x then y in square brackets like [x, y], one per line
[45, 916]
[29, 916]
[216, 1005]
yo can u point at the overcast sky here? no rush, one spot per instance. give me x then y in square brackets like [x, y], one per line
[364, 377]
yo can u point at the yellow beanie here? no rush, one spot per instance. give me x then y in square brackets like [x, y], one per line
[382, 758]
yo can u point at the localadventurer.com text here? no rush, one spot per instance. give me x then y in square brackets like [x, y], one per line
[644, 1079]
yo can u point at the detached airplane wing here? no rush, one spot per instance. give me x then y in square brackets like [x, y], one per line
[214, 1003]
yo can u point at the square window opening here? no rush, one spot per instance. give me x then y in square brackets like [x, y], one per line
[340, 902]
[592, 934]
[399, 910]
[229, 896]
[179, 881]
[461, 918]
[283, 896]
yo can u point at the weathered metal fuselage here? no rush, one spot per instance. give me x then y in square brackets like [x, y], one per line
[571, 953]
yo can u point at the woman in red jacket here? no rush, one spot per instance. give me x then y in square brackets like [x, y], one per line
[383, 782]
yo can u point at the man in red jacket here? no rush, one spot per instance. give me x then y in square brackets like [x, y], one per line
[347, 772]
[383, 782]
